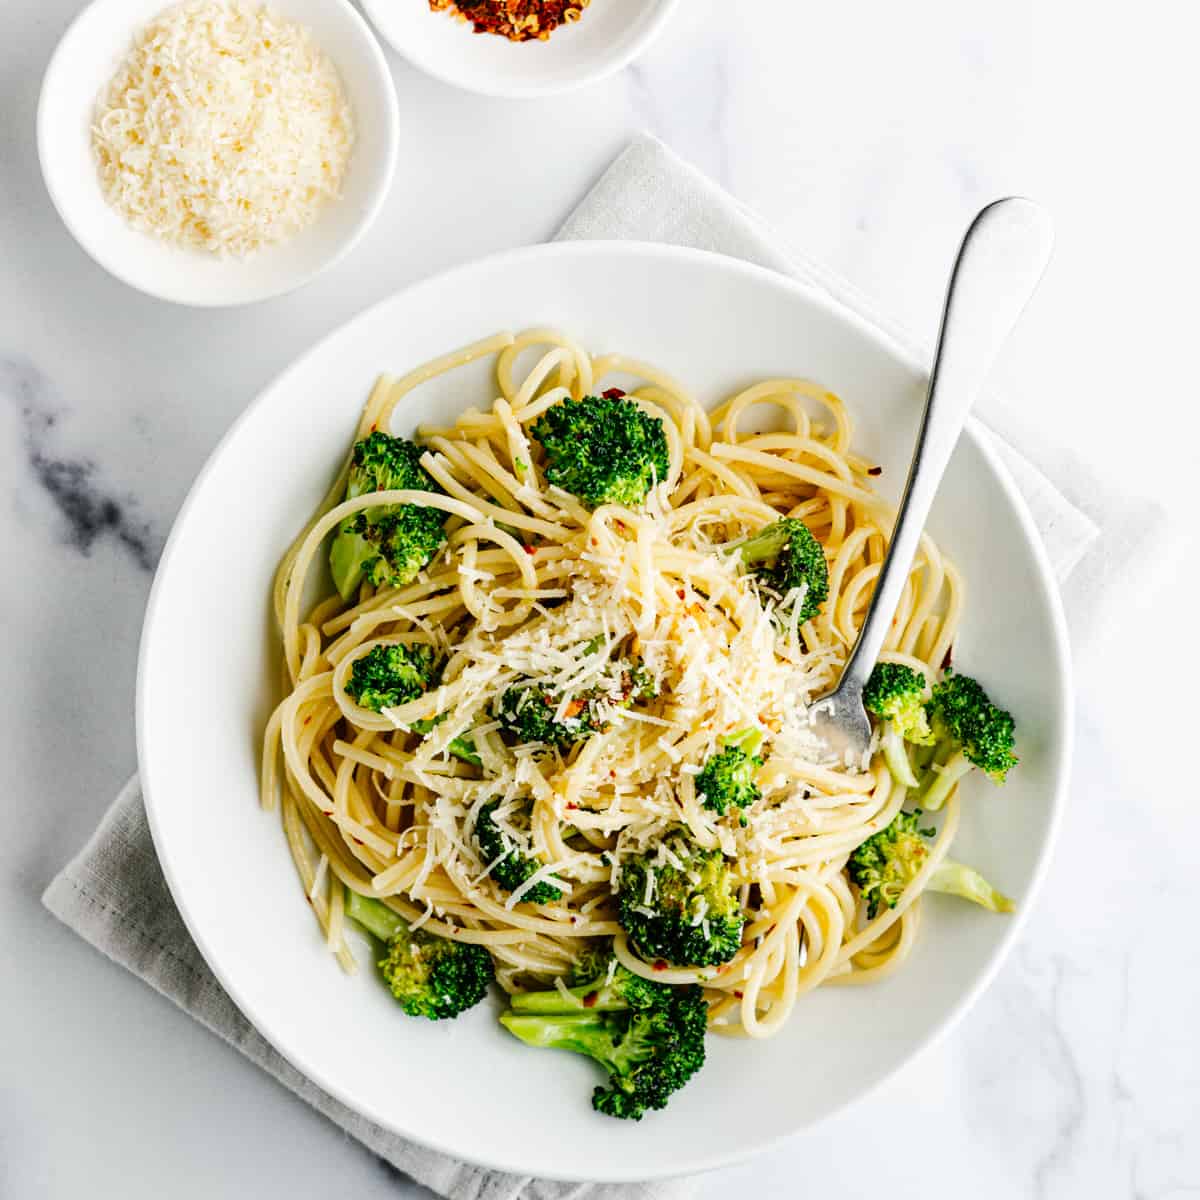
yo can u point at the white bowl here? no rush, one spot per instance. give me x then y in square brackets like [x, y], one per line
[207, 680]
[87, 58]
[610, 34]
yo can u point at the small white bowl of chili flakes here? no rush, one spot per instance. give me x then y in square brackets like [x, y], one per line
[519, 48]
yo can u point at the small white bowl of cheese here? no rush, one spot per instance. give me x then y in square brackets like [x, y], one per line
[217, 152]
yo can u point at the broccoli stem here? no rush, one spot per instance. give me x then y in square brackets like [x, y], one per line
[766, 545]
[346, 557]
[577, 1000]
[374, 916]
[958, 880]
[922, 755]
[940, 782]
[589, 1035]
[748, 740]
[582, 1033]
[896, 756]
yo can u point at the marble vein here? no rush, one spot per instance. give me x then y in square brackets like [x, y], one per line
[89, 508]
[1072, 1104]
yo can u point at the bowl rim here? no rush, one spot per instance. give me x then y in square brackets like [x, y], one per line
[94, 248]
[523, 91]
[709, 1158]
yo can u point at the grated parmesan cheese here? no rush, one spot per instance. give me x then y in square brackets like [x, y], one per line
[720, 659]
[226, 129]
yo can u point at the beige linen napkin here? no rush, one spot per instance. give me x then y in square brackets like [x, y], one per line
[113, 893]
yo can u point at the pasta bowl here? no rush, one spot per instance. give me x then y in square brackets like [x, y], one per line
[464, 1087]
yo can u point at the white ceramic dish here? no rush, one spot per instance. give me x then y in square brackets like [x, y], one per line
[610, 34]
[206, 684]
[86, 59]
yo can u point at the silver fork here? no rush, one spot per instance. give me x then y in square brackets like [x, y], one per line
[999, 264]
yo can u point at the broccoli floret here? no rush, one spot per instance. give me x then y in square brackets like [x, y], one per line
[395, 547]
[688, 915]
[430, 976]
[529, 710]
[896, 694]
[510, 867]
[649, 1037]
[727, 779]
[592, 964]
[971, 732]
[888, 861]
[385, 545]
[786, 556]
[604, 449]
[390, 675]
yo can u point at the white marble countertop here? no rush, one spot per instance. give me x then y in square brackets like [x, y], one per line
[1078, 1074]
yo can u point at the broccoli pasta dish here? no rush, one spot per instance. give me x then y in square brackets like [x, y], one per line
[547, 736]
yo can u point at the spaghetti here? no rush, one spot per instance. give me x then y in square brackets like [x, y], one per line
[533, 585]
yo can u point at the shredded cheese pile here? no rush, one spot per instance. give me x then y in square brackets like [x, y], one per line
[638, 589]
[226, 129]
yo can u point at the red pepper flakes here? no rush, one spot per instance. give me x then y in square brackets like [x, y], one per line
[517, 20]
[874, 470]
[660, 965]
[589, 1001]
[681, 593]
[739, 995]
[613, 394]
[530, 549]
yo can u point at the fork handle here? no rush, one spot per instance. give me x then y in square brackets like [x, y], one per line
[999, 264]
